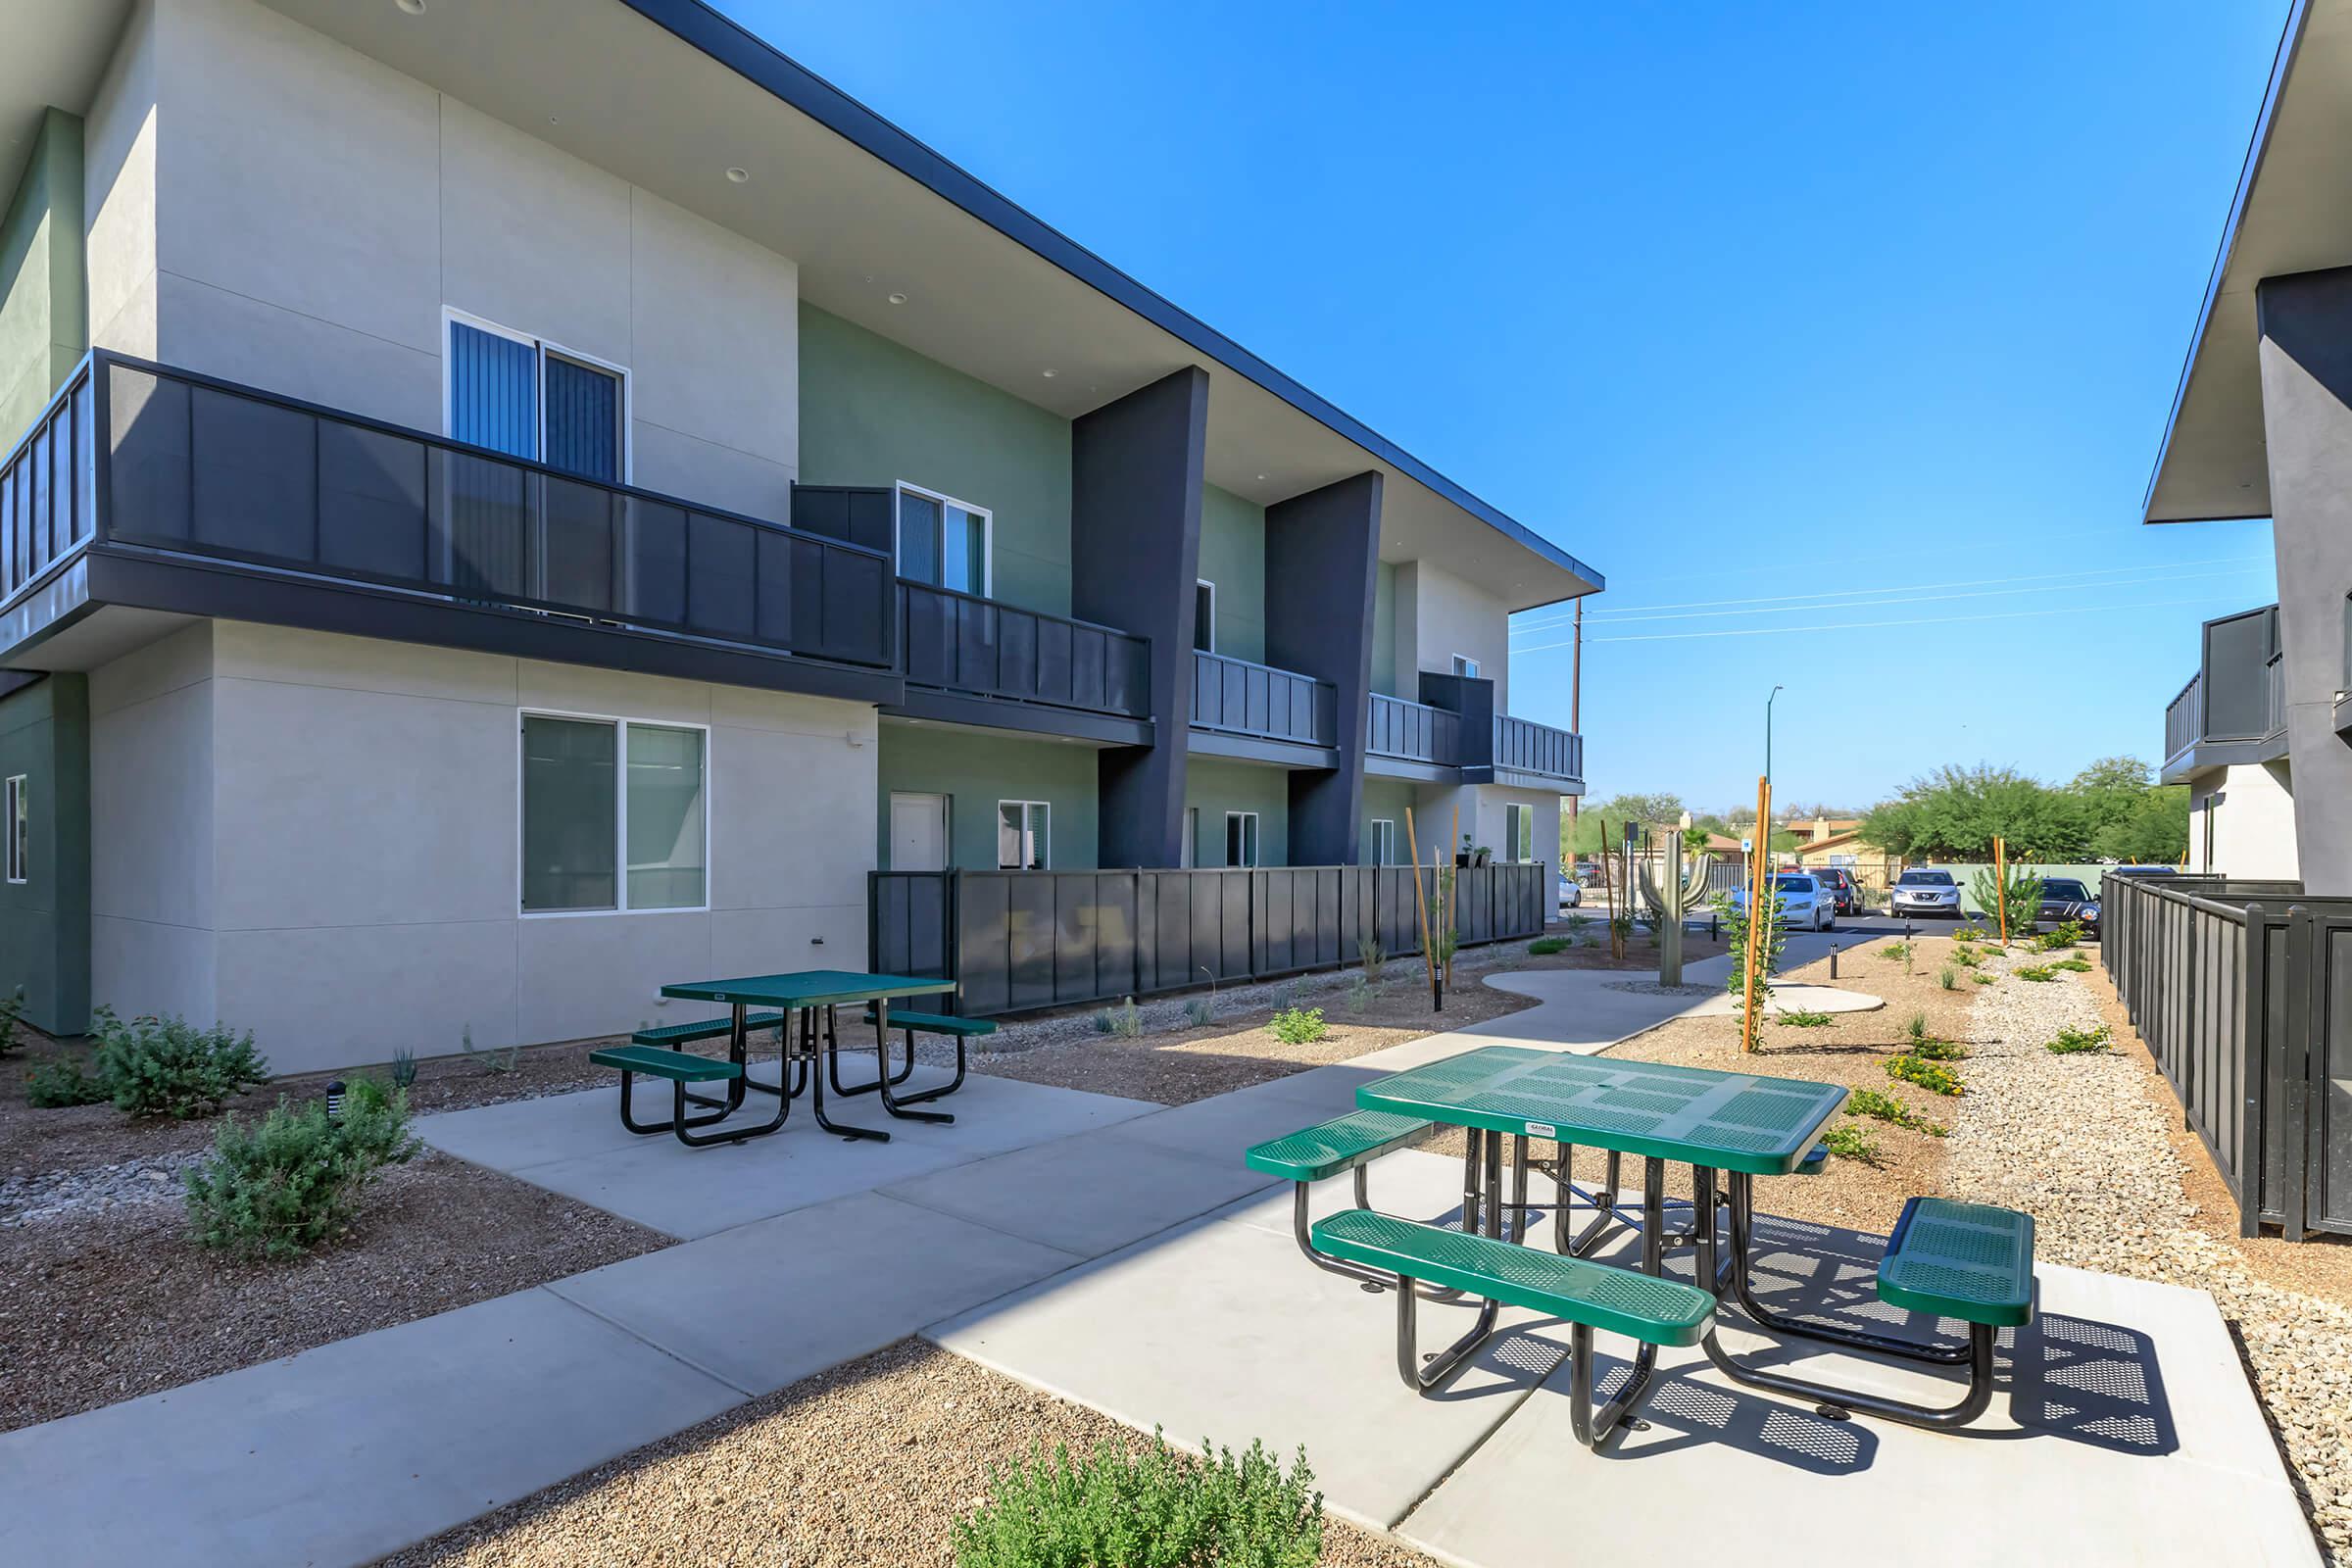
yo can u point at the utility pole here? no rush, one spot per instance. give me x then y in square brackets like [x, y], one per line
[1576, 713]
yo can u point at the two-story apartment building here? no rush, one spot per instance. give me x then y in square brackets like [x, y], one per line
[517, 503]
[2261, 426]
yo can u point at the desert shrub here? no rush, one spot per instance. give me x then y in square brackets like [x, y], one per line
[1804, 1019]
[2038, 973]
[11, 1008]
[2074, 965]
[1770, 941]
[1578, 926]
[292, 1182]
[1546, 947]
[1372, 956]
[169, 1067]
[2023, 894]
[1966, 955]
[1915, 1027]
[1359, 995]
[1932, 1076]
[1948, 978]
[1890, 1108]
[1122, 1022]
[1934, 1050]
[2071, 1041]
[1969, 933]
[1116, 1509]
[1201, 1011]
[1985, 979]
[54, 1085]
[404, 1067]
[1898, 951]
[1847, 1141]
[1299, 1026]
[493, 1060]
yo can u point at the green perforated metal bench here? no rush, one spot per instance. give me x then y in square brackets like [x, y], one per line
[685, 1034]
[1970, 1261]
[659, 1061]
[680, 1068]
[910, 1023]
[1586, 1294]
[1344, 1144]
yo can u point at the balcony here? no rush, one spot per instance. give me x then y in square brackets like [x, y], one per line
[1259, 703]
[1413, 733]
[980, 661]
[2233, 709]
[153, 488]
[1536, 754]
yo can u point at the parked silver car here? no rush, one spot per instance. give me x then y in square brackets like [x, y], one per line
[1806, 905]
[1924, 893]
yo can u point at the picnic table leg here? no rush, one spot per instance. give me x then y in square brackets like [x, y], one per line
[1744, 1221]
[1604, 1204]
[1424, 1373]
[882, 1078]
[817, 1092]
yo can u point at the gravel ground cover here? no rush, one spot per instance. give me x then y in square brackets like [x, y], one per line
[864, 1465]
[2087, 1144]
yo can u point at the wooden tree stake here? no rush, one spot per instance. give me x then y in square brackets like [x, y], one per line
[1429, 955]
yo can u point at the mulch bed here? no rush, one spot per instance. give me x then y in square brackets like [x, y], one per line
[103, 1306]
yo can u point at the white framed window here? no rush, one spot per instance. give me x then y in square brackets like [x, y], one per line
[1384, 841]
[1240, 838]
[946, 542]
[1205, 615]
[1466, 665]
[615, 816]
[15, 822]
[1518, 832]
[524, 396]
[1024, 835]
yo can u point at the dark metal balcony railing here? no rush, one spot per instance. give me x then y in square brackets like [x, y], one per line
[1527, 746]
[1413, 732]
[955, 642]
[196, 466]
[48, 501]
[2239, 693]
[1257, 699]
[2185, 717]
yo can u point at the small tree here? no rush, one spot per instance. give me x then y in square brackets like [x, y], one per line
[1770, 939]
[2021, 897]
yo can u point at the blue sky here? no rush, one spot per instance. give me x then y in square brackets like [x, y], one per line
[1849, 314]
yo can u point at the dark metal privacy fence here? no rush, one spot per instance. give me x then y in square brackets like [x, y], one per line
[2243, 993]
[1025, 940]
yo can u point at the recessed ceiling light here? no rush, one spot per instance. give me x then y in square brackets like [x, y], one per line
[1261, 476]
[898, 298]
[738, 176]
[1048, 375]
[415, 8]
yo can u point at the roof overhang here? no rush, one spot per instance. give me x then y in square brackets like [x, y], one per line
[669, 94]
[2289, 215]
[52, 57]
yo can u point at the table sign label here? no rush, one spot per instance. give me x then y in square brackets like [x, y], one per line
[1541, 1129]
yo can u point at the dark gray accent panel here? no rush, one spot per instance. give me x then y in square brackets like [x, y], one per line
[1135, 552]
[865, 515]
[2306, 322]
[1471, 699]
[1323, 549]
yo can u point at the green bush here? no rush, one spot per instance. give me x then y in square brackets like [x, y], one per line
[61, 1083]
[169, 1067]
[1372, 956]
[11, 1008]
[1359, 995]
[1201, 1011]
[1153, 1509]
[1985, 979]
[1966, 955]
[2073, 1042]
[1890, 1108]
[1969, 933]
[1915, 1028]
[1932, 1076]
[2038, 973]
[1849, 1142]
[1803, 1019]
[1299, 1026]
[1546, 947]
[1948, 978]
[293, 1181]
[2074, 965]
[1934, 1050]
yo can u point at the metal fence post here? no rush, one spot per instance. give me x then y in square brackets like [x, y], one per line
[2294, 1157]
[2253, 1132]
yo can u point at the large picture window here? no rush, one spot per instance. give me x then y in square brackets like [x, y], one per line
[943, 542]
[516, 394]
[16, 822]
[615, 815]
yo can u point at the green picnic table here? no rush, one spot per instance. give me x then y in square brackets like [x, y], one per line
[806, 993]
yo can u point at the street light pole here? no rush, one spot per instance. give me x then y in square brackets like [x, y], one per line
[1764, 829]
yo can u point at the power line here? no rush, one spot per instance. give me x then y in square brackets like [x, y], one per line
[2194, 574]
[1849, 626]
[1892, 588]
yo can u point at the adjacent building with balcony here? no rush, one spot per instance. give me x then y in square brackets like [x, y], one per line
[486, 527]
[2224, 737]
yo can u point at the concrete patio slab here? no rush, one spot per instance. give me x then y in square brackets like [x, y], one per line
[1220, 1128]
[765, 1305]
[567, 1147]
[1798, 998]
[343, 1453]
[1221, 1331]
[1087, 1195]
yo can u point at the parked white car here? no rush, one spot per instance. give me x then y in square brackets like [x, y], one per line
[1806, 905]
[1571, 896]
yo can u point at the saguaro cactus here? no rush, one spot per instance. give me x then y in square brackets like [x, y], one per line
[1685, 887]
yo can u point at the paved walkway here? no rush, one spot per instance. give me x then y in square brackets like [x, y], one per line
[1058, 1234]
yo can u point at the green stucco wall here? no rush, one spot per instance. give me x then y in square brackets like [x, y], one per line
[45, 920]
[1233, 555]
[1385, 796]
[1218, 787]
[874, 413]
[44, 319]
[1383, 633]
[976, 772]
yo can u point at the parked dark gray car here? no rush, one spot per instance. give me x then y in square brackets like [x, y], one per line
[2064, 899]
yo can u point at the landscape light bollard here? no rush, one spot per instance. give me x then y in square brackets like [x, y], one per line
[335, 1100]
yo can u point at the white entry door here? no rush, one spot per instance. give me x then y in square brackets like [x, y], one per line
[918, 832]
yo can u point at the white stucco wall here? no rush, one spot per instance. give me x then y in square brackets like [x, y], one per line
[2247, 814]
[317, 837]
[1482, 817]
[317, 210]
[1438, 615]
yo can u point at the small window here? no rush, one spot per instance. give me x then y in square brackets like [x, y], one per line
[1205, 615]
[1024, 836]
[514, 393]
[1189, 855]
[16, 820]
[944, 542]
[1518, 832]
[1240, 838]
[614, 816]
[1465, 666]
[1384, 841]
